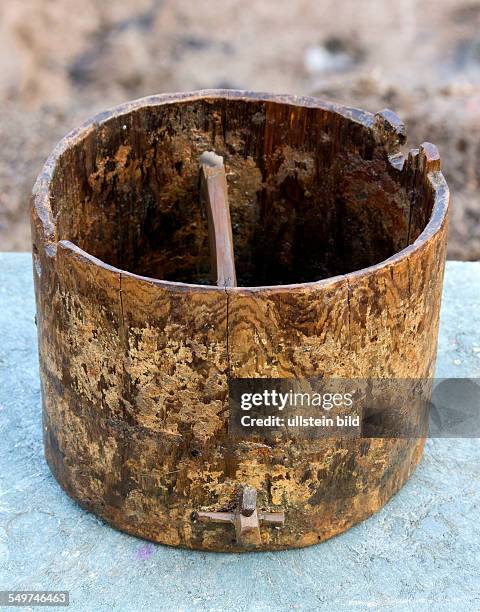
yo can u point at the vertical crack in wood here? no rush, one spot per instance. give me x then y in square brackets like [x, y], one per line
[349, 307]
[409, 280]
[122, 315]
[227, 339]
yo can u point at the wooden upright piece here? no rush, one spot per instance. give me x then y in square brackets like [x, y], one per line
[214, 194]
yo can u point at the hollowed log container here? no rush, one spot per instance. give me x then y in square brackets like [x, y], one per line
[339, 250]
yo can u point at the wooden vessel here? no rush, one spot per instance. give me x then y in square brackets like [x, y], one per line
[339, 253]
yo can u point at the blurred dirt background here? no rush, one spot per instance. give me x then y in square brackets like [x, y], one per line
[63, 60]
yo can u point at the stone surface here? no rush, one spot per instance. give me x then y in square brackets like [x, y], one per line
[420, 552]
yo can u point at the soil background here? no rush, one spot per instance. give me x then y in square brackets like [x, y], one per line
[64, 60]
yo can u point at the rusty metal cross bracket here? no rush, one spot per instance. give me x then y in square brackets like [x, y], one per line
[246, 518]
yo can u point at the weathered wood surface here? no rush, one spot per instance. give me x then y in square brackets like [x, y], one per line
[135, 370]
[214, 193]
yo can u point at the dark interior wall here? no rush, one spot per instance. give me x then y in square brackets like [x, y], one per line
[311, 193]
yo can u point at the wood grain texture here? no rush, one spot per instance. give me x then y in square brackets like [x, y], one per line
[214, 194]
[135, 363]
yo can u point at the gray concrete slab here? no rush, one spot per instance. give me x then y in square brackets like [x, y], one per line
[421, 552]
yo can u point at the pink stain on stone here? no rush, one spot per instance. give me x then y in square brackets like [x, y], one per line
[145, 551]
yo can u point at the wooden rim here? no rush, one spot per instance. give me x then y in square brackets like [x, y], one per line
[429, 161]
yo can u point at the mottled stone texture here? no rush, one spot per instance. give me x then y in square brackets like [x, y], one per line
[135, 370]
